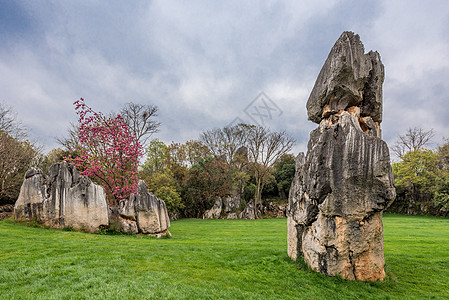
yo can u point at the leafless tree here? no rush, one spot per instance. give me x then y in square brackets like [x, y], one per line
[414, 139]
[17, 154]
[224, 143]
[10, 124]
[141, 120]
[71, 142]
[138, 117]
[16, 157]
[265, 147]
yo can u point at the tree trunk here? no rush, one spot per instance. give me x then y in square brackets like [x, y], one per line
[282, 194]
[257, 196]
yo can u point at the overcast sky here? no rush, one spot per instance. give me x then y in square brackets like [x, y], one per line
[206, 63]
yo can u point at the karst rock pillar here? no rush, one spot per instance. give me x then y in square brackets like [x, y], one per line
[345, 181]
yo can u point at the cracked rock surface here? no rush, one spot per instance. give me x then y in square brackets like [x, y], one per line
[64, 198]
[144, 213]
[345, 181]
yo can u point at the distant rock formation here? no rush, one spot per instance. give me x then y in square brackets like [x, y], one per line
[144, 213]
[6, 211]
[215, 211]
[345, 181]
[248, 212]
[63, 199]
[231, 203]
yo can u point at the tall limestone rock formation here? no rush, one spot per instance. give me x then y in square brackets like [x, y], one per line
[63, 199]
[345, 181]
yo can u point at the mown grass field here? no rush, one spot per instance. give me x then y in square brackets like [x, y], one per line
[212, 259]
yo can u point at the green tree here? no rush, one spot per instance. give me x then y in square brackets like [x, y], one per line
[17, 154]
[196, 151]
[205, 182]
[16, 157]
[415, 177]
[441, 194]
[284, 171]
[443, 155]
[156, 160]
[164, 186]
[54, 156]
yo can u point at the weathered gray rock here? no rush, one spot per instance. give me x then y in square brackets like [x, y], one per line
[248, 212]
[63, 199]
[349, 77]
[275, 211]
[144, 213]
[232, 216]
[6, 211]
[345, 181]
[215, 211]
[231, 203]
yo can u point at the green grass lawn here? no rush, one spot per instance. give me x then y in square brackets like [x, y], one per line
[212, 259]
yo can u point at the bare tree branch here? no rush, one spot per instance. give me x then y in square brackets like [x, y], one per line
[10, 124]
[224, 143]
[72, 142]
[414, 139]
[140, 120]
[265, 148]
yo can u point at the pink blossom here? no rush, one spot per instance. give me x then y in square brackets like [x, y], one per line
[109, 152]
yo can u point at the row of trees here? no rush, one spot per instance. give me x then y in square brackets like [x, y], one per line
[190, 176]
[246, 160]
[421, 175]
[232, 160]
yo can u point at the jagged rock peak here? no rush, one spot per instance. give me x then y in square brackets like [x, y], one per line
[349, 78]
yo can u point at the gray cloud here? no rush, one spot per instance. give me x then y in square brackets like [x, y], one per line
[202, 63]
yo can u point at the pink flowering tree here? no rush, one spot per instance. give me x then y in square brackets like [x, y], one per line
[109, 152]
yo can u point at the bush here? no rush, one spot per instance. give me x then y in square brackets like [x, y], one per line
[248, 193]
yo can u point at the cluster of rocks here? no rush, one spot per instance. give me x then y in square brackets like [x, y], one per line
[229, 208]
[6, 211]
[345, 181]
[275, 210]
[65, 198]
[143, 213]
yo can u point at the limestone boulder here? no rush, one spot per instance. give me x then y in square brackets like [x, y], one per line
[215, 211]
[249, 213]
[232, 216]
[231, 203]
[144, 213]
[64, 198]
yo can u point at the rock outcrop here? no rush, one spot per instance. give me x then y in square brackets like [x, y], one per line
[231, 203]
[248, 212]
[345, 181]
[215, 211]
[144, 213]
[63, 199]
[6, 211]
